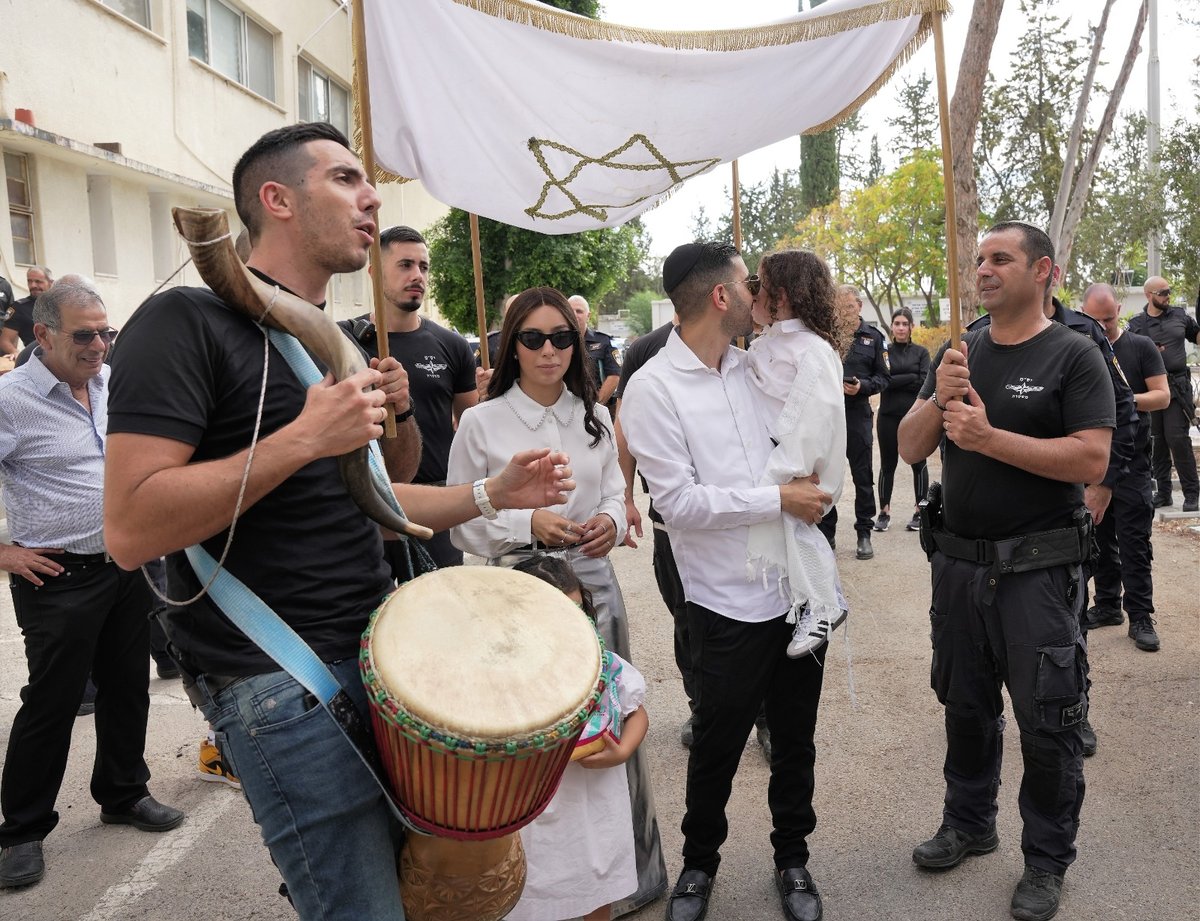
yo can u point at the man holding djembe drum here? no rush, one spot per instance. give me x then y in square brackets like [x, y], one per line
[184, 406]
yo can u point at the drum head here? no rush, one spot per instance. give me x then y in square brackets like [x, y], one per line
[485, 652]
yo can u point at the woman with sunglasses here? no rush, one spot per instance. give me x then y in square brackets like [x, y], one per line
[541, 393]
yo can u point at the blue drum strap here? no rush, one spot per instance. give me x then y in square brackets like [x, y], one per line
[254, 617]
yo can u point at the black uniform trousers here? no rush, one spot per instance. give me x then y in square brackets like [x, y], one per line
[1172, 442]
[670, 587]
[888, 427]
[738, 667]
[1026, 637]
[90, 618]
[1123, 536]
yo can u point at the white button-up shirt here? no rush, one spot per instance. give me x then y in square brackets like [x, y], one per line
[490, 433]
[52, 459]
[699, 441]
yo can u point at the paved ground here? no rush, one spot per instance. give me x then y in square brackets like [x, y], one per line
[880, 746]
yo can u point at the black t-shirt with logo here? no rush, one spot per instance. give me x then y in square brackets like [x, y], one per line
[20, 318]
[440, 366]
[1169, 331]
[1049, 386]
[190, 369]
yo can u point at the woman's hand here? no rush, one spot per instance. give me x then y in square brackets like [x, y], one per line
[554, 530]
[599, 536]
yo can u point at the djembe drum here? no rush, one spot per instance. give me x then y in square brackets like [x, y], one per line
[480, 681]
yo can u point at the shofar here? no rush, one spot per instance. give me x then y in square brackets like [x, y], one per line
[206, 232]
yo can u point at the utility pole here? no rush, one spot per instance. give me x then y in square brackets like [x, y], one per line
[1153, 121]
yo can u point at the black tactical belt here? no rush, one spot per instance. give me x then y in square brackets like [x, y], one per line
[1040, 550]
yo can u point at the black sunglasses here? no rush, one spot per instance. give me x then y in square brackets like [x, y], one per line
[85, 336]
[1163, 292]
[534, 339]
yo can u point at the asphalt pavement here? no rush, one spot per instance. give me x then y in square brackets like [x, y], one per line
[880, 745]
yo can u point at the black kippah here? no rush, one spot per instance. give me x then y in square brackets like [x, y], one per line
[680, 263]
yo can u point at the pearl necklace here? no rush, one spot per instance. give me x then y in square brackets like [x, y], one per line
[549, 410]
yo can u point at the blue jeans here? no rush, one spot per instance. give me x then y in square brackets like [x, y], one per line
[322, 816]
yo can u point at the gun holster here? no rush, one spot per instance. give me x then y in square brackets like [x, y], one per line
[930, 511]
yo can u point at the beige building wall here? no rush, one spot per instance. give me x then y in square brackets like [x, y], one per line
[172, 125]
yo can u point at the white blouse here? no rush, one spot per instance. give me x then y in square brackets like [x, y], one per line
[490, 433]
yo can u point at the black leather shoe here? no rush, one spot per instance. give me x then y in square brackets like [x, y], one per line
[864, 551]
[949, 846]
[21, 865]
[798, 893]
[1191, 505]
[148, 814]
[1162, 500]
[1037, 895]
[167, 669]
[689, 898]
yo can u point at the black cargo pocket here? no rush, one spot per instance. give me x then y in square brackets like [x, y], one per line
[940, 663]
[1058, 694]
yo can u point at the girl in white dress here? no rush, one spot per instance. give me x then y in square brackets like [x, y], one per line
[795, 369]
[541, 393]
[580, 850]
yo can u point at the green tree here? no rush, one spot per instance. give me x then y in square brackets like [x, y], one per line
[915, 121]
[770, 210]
[1025, 121]
[819, 173]
[888, 238]
[1179, 161]
[513, 259]
[641, 314]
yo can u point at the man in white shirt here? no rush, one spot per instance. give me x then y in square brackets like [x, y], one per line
[693, 425]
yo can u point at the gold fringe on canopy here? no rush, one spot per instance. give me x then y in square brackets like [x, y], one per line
[742, 39]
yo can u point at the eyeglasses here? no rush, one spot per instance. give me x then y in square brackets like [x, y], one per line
[1163, 292]
[534, 339]
[753, 284]
[85, 336]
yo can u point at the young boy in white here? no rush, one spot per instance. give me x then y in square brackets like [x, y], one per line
[795, 368]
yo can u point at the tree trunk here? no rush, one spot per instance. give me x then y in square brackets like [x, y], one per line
[1076, 138]
[964, 122]
[1083, 184]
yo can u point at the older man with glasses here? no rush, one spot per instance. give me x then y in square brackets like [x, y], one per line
[1169, 327]
[79, 613]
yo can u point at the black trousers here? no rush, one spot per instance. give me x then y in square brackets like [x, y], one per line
[1028, 639]
[859, 438]
[1123, 536]
[887, 427]
[739, 667]
[90, 618]
[1169, 428]
[670, 587]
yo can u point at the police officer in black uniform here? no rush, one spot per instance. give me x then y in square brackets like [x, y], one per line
[1026, 424]
[600, 354]
[865, 372]
[1123, 534]
[1170, 327]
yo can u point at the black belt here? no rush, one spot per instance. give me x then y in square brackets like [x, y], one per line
[1040, 550]
[84, 559]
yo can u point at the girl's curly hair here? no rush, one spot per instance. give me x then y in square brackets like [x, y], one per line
[801, 278]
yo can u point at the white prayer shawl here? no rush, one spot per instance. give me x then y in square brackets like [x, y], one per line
[558, 123]
[799, 377]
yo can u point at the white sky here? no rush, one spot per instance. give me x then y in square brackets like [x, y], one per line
[670, 223]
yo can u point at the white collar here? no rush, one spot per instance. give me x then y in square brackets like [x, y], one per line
[532, 413]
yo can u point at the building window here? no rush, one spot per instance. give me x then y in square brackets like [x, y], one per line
[233, 44]
[323, 99]
[137, 10]
[103, 222]
[20, 207]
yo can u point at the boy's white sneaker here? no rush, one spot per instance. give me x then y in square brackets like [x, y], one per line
[811, 632]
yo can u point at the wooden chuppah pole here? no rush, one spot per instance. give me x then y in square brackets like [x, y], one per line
[485, 360]
[737, 208]
[368, 158]
[948, 184]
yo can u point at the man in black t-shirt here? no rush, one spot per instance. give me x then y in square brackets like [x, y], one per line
[18, 318]
[1027, 410]
[1170, 328]
[183, 408]
[440, 366]
[1123, 534]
